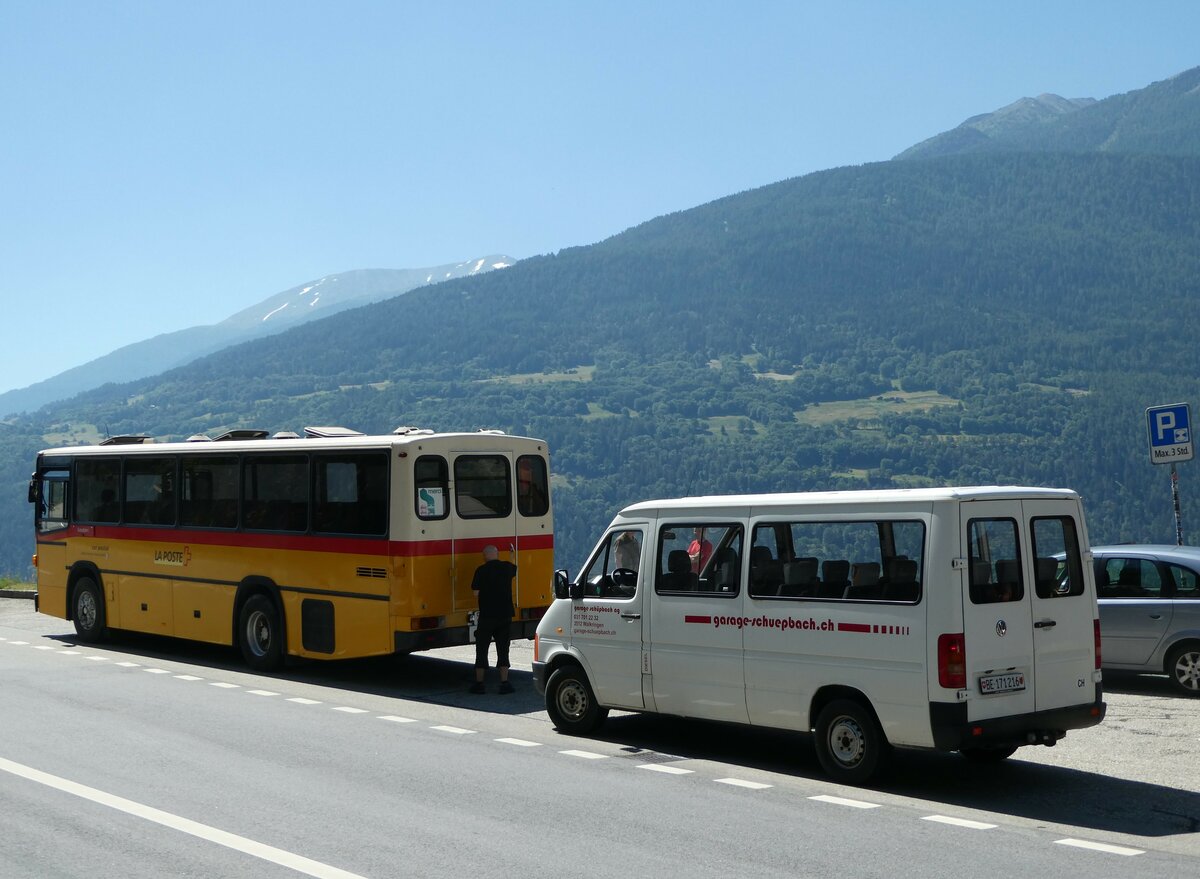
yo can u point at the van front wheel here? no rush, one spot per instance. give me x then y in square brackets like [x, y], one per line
[850, 745]
[571, 703]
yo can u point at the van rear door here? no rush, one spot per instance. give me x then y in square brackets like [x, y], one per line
[997, 612]
[1064, 609]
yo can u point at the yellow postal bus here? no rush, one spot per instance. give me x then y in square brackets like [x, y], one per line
[328, 546]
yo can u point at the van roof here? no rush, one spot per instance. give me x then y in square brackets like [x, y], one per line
[857, 497]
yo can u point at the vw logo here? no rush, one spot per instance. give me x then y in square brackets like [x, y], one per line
[1001, 628]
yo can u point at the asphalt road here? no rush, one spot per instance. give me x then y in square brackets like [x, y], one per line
[152, 757]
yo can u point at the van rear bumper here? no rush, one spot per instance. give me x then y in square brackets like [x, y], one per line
[953, 732]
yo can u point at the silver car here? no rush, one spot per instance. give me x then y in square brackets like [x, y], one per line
[1150, 610]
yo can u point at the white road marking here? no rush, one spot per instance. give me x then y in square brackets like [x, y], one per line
[98, 659]
[959, 822]
[394, 719]
[842, 801]
[348, 710]
[261, 693]
[520, 743]
[128, 664]
[300, 700]
[250, 847]
[224, 685]
[156, 671]
[68, 652]
[187, 678]
[457, 730]
[666, 769]
[586, 755]
[1100, 847]
[737, 782]
[19, 643]
[44, 647]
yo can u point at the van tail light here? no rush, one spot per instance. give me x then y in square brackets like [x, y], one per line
[952, 661]
[536, 646]
[1096, 629]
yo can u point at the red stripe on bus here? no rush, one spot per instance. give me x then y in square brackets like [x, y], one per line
[306, 542]
[688, 618]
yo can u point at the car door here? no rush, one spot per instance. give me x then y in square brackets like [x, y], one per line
[1135, 612]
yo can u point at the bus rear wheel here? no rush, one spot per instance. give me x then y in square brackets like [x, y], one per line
[87, 610]
[260, 634]
[571, 703]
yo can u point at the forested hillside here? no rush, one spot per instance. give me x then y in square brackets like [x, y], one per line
[983, 318]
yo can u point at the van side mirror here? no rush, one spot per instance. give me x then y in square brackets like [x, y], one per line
[562, 584]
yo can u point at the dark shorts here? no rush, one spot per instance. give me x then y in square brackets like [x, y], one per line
[486, 631]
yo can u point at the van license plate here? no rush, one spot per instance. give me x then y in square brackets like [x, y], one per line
[1005, 683]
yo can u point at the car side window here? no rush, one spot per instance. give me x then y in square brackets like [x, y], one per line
[1130, 578]
[1186, 584]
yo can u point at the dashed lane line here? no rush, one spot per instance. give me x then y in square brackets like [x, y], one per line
[739, 782]
[346, 709]
[842, 801]
[1100, 847]
[454, 730]
[586, 755]
[396, 719]
[959, 822]
[666, 769]
[520, 743]
[300, 700]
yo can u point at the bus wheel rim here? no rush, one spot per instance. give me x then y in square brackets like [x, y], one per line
[85, 609]
[258, 633]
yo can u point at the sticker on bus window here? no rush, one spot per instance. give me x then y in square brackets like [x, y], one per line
[431, 503]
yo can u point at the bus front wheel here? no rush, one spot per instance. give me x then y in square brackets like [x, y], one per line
[87, 611]
[571, 703]
[260, 634]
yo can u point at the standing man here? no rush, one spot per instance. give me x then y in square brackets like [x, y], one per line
[492, 586]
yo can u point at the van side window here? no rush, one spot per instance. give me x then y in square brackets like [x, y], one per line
[1058, 567]
[699, 557]
[613, 570]
[861, 560]
[994, 561]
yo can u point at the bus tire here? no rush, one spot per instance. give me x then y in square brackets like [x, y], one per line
[850, 746]
[87, 610]
[260, 633]
[571, 703]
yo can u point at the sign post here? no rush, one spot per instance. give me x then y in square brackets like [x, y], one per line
[1170, 431]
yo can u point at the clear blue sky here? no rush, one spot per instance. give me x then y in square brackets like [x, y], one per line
[166, 164]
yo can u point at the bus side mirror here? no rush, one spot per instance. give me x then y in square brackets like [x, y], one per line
[33, 491]
[562, 585]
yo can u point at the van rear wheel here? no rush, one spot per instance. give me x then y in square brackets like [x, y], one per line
[571, 703]
[851, 747]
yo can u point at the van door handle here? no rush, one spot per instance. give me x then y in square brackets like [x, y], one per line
[631, 616]
[1156, 616]
[1045, 624]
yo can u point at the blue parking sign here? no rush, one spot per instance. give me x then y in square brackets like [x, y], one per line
[1170, 433]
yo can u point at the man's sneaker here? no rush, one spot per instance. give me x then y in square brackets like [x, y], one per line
[476, 687]
[506, 687]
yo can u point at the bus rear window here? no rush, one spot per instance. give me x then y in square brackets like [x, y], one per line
[482, 486]
[533, 486]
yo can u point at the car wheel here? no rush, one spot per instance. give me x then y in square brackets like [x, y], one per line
[571, 703]
[87, 610]
[850, 746]
[1183, 666]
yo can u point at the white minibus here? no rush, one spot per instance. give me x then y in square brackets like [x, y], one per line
[959, 619]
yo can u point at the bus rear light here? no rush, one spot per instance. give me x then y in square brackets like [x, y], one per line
[1096, 629]
[952, 661]
[428, 622]
[34, 559]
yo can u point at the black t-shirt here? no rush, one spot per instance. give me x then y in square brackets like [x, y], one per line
[493, 582]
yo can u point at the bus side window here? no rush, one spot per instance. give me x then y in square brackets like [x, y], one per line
[431, 486]
[533, 487]
[52, 500]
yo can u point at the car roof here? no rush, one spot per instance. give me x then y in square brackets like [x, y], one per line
[1158, 550]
